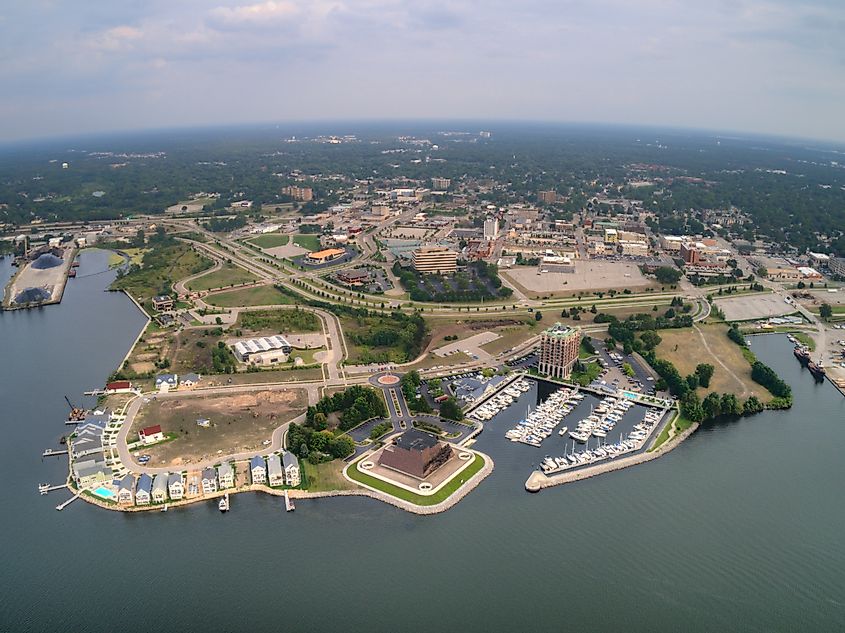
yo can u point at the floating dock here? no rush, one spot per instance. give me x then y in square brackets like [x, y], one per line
[50, 452]
[289, 507]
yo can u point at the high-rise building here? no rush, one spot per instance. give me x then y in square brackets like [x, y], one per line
[303, 194]
[559, 346]
[690, 253]
[837, 266]
[491, 228]
[547, 197]
[440, 184]
[434, 259]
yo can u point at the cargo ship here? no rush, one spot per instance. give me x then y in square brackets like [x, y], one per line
[802, 354]
[817, 370]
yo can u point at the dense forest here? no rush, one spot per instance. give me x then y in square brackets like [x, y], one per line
[794, 192]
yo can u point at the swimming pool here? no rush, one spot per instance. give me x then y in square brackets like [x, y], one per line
[105, 493]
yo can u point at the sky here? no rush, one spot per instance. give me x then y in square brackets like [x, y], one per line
[760, 66]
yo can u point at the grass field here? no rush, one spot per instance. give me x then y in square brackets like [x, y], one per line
[136, 256]
[686, 348]
[162, 265]
[327, 476]
[255, 296]
[307, 241]
[228, 275]
[269, 240]
[400, 493]
[238, 422]
[294, 320]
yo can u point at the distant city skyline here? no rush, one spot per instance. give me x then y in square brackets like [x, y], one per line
[758, 66]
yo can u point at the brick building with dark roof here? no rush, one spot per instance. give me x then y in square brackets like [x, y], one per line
[415, 453]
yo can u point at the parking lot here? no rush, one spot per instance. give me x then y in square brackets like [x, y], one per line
[754, 307]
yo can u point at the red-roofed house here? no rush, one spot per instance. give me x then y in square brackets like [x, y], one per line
[151, 434]
[119, 386]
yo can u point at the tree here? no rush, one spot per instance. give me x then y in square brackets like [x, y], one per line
[825, 311]
[667, 275]
[704, 371]
[538, 316]
[450, 410]
[762, 271]
[712, 405]
[730, 404]
[692, 382]
[650, 339]
[752, 405]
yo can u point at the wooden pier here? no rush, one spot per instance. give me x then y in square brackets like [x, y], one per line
[50, 452]
[45, 488]
[289, 507]
[65, 504]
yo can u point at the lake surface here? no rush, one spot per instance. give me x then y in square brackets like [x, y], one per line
[742, 528]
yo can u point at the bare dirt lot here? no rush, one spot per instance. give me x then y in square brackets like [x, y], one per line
[754, 307]
[237, 423]
[589, 275]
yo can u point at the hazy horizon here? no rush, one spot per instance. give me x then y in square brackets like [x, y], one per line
[758, 67]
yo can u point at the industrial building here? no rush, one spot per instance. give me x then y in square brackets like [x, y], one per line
[267, 350]
[434, 259]
[559, 346]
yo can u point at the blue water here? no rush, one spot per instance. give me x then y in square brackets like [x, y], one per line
[739, 529]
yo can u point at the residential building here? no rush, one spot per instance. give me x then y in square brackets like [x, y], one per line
[166, 382]
[491, 228]
[258, 470]
[837, 266]
[144, 490]
[126, 489]
[275, 473]
[324, 256]
[175, 486]
[434, 259]
[291, 467]
[209, 480]
[159, 493]
[190, 380]
[440, 184]
[559, 347]
[88, 441]
[162, 302]
[151, 434]
[415, 453]
[611, 236]
[226, 475]
[302, 194]
[547, 197]
[266, 350]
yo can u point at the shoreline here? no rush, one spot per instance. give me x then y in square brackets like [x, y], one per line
[297, 493]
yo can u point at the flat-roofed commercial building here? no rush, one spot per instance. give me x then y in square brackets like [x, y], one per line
[434, 259]
[327, 255]
[559, 346]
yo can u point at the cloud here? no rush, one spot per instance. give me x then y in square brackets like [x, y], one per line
[759, 65]
[260, 13]
[116, 38]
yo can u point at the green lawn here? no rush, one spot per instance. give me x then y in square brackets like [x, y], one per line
[255, 296]
[307, 241]
[269, 240]
[400, 493]
[679, 422]
[326, 477]
[589, 374]
[228, 275]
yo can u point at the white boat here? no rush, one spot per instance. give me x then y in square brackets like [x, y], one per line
[164, 508]
[223, 504]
